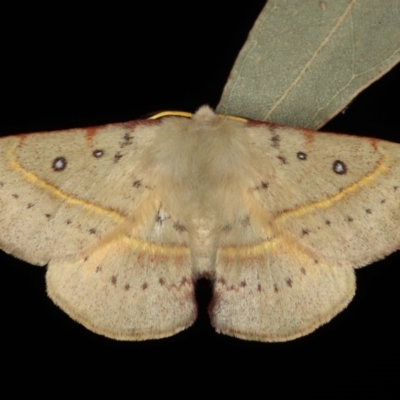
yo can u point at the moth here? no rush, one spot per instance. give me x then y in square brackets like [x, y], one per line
[128, 216]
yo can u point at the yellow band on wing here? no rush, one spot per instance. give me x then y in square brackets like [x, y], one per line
[330, 201]
[39, 182]
[251, 250]
[154, 248]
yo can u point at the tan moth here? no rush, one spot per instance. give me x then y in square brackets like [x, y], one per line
[128, 216]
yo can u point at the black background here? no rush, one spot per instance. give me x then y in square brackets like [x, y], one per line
[70, 68]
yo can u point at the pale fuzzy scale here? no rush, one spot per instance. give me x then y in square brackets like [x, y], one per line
[129, 215]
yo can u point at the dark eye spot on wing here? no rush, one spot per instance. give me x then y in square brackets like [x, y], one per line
[59, 164]
[339, 167]
[98, 153]
[301, 155]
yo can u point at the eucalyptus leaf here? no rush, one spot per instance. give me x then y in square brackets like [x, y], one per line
[305, 60]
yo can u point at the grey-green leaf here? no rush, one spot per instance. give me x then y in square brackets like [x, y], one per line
[305, 60]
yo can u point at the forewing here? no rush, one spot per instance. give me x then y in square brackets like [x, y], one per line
[335, 195]
[61, 192]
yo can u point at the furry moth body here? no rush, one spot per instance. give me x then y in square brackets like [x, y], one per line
[127, 216]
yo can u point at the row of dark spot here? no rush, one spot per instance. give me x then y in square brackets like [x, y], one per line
[305, 232]
[184, 281]
[243, 284]
[328, 222]
[48, 216]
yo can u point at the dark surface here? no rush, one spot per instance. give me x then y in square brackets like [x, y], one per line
[71, 70]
